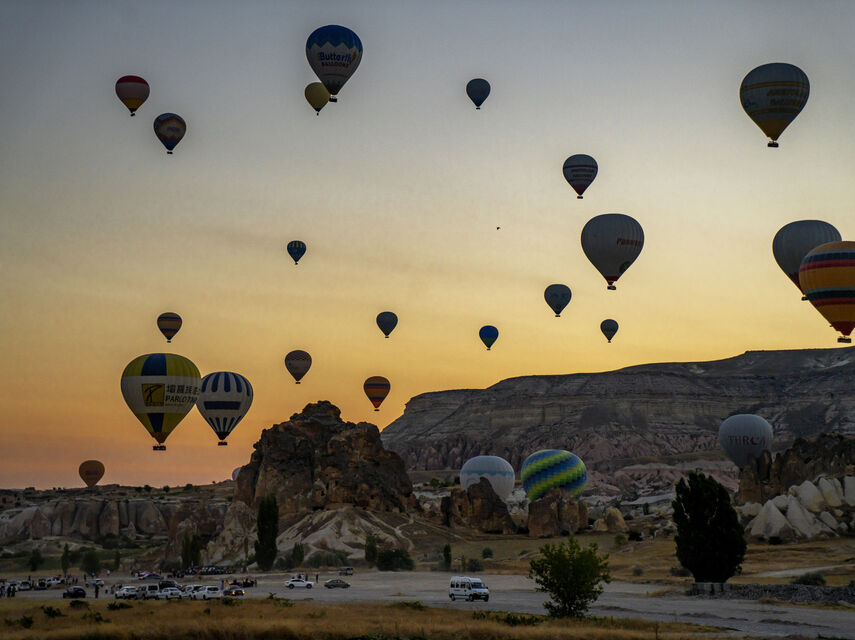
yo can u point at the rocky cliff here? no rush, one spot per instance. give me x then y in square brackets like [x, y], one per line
[648, 413]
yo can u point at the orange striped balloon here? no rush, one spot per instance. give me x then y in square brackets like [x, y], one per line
[377, 388]
[827, 277]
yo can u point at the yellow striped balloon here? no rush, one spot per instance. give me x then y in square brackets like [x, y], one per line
[160, 389]
[827, 277]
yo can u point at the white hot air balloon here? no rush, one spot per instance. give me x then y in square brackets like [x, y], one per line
[498, 471]
[612, 242]
[744, 436]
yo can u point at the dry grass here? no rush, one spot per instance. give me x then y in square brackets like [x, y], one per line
[270, 619]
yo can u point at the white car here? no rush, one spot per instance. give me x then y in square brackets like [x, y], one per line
[126, 593]
[298, 583]
[92, 582]
[207, 592]
[169, 593]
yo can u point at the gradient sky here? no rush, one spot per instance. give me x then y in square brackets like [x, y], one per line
[397, 190]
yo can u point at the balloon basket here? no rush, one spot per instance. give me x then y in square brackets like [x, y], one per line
[387, 337]
[159, 447]
[222, 443]
[169, 153]
[333, 99]
[297, 382]
[804, 298]
[376, 409]
[844, 339]
[611, 287]
[133, 114]
[557, 315]
[578, 197]
[772, 145]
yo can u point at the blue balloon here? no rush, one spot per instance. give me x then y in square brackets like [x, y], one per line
[334, 52]
[296, 249]
[548, 469]
[488, 334]
[387, 321]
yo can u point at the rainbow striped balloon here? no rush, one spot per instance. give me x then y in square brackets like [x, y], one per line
[550, 468]
[376, 388]
[827, 277]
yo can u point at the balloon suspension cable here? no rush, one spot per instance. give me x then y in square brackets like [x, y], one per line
[169, 341]
[772, 145]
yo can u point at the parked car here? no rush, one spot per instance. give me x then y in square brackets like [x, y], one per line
[74, 592]
[148, 591]
[126, 593]
[207, 592]
[51, 582]
[190, 589]
[298, 583]
[336, 583]
[24, 585]
[95, 582]
[234, 592]
[345, 571]
[169, 593]
[468, 588]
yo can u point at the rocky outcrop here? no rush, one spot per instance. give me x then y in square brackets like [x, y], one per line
[479, 508]
[611, 522]
[316, 461]
[616, 419]
[556, 514]
[827, 454]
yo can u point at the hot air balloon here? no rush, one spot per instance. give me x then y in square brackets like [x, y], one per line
[169, 129]
[298, 364]
[488, 334]
[745, 436]
[579, 171]
[557, 296]
[376, 388]
[498, 471]
[296, 249]
[609, 328]
[773, 95]
[334, 53]
[612, 242]
[132, 91]
[795, 240]
[160, 388]
[223, 401]
[236, 473]
[827, 276]
[91, 471]
[478, 90]
[169, 324]
[550, 468]
[317, 96]
[387, 321]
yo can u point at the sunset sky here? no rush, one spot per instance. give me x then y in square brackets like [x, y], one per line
[397, 191]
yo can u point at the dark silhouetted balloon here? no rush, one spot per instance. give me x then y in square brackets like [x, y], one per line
[488, 334]
[745, 435]
[376, 388]
[795, 240]
[557, 296]
[91, 471]
[169, 129]
[317, 96]
[223, 401]
[298, 364]
[132, 91]
[580, 171]
[609, 328]
[387, 321]
[478, 90]
[169, 324]
[773, 95]
[612, 242]
[296, 249]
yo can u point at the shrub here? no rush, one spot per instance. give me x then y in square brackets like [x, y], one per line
[680, 572]
[118, 604]
[284, 563]
[394, 560]
[775, 540]
[634, 536]
[474, 564]
[78, 604]
[637, 571]
[486, 552]
[409, 604]
[326, 559]
[813, 579]
[620, 540]
[570, 575]
[297, 554]
[446, 557]
[52, 612]
[90, 563]
[510, 619]
[229, 602]
[36, 560]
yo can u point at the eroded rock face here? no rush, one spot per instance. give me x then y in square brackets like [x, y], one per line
[477, 508]
[556, 514]
[315, 461]
[770, 522]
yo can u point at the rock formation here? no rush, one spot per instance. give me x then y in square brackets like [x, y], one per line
[477, 508]
[556, 514]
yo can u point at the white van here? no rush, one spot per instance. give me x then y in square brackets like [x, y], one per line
[148, 591]
[207, 592]
[468, 589]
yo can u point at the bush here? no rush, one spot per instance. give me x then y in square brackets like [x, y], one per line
[634, 536]
[297, 554]
[620, 540]
[36, 560]
[371, 542]
[486, 552]
[52, 612]
[118, 604]
[90, 564]
[572, 577]
[474, 564]
[680, 572]
[637, 571]
[394, 560]
[446, 557]
[284, 563]
[775, 540]
[326, 559]
[813, 579]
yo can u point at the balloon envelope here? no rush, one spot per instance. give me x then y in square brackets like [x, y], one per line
[612, 242]
[298, 364]
[609, 328]
[376, 388]
[236, 473]
[478, 90]
[550, 468]
[579, 171]
[169, 324]
[488, 334]
[160, 388]
[223, 401]
[169, 129]
[296, 249]
[317, 96]
[387, 321]
[334, 52]
[91, 471]
[132, 91]
[557, 296]
[745, 435]
[773, 95]
[827, 277]
[795, 240]
[498, 471]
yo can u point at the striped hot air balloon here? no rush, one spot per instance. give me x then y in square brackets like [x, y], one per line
[296, 249]
[377, 388]
[773, 95]
[579, 172]
[132, 91]
[169, 129]
[298, 364]
[169, 324]
[827, 277]
[550, 469]
[223, 401]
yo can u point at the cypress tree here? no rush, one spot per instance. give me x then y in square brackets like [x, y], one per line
[268, 530]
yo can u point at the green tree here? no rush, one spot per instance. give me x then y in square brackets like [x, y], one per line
[394, 559]
[486, 552]
[191, 550]
[571, 575]
[298, 554]
[710, 540]
[117, 561]
[65, 560]
[268, 530]
[446, 557]
[36, 560]
[371, 541]
[91, 563]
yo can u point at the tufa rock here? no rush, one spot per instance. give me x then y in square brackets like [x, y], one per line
[849, 490]
[557, 513]
[770, 522]
[478, 508]
[809, 496]
[831, 491]
[614, 521]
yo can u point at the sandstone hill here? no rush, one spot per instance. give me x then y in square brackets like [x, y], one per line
[663, 415]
